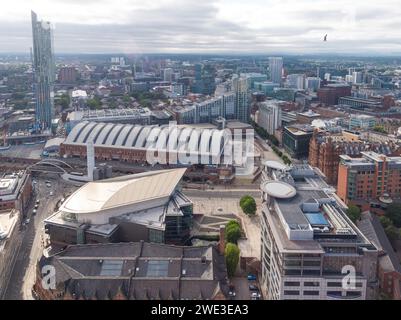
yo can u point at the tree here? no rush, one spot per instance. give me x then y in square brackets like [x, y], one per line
[392, 232]
[232, 223]
[94, 103]
[379, 128]
[232, 233]
[248, 205]
[354, 213]
[232, 258]
[64, 101]
[385, 221]
[243, 199]
[393, 212]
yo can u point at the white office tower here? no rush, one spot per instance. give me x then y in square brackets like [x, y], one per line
[168, 74]
[90, 158]
[276, 69]
[312, 83]
[296, 81]
[349, 78]
[269, 115]
[357, 77]
[327, 76]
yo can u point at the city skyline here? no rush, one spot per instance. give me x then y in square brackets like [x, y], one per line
[292, 27]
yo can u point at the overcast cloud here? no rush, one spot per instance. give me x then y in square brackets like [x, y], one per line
[207, 26]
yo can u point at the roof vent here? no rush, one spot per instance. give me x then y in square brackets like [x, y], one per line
[184, 272]
[203, 259]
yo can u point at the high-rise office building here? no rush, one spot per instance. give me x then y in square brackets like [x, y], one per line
[44, 71]
[240, 86]
[296, 81]
[204, 82]
[308, 242]
[276, 69]
[270, 115]
[312, 83]
[357, 77]
[168, 74]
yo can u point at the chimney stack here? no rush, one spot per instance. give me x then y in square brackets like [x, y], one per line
[222, 242]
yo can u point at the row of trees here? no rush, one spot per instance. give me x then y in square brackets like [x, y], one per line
[233, 233]
[391, 222]
[264, 134]
[277, 151]
[232, 252]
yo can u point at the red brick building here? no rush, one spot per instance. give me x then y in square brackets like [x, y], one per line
[369, 178]
[325, 150]
[330, 93]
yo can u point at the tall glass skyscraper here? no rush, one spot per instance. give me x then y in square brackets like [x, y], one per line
[44, 71]
[276, 69]
[240, 86]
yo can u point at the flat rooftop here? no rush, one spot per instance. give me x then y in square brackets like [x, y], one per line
[310, 213]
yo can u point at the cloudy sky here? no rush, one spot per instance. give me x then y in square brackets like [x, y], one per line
[207, 26]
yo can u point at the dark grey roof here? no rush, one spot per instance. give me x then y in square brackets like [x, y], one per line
[372, 228]
[139, 270]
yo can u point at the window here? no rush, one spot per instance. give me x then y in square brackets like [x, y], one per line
[334, 284]
[291, 292]
[292, 283]
[311, 293]
[311, 284]
[354, 294]
[311, 263]
[157, 268]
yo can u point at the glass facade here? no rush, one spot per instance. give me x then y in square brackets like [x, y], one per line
[44, 71]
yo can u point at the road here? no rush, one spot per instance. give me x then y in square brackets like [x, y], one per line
[24, 271]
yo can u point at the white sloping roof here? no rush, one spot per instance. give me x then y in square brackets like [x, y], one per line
[122, 191]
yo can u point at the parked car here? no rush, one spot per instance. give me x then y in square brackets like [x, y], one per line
[51, 193]
[37, 201]
[253, 288]
[48, 185]
[255, 296]
[34, 211]
[251, 277]
[27, 221]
